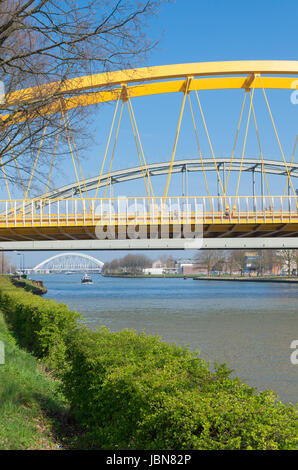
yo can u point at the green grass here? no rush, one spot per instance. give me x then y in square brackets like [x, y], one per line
[31, 406]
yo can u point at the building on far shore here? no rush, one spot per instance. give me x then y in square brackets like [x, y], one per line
[192, 268]
[158, 268]
[189, 267]
[153, 271]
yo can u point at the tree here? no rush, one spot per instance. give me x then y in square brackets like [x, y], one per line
[296, 261]
[287, 259]
[44, 41]
[5, 264]
[268, 260]
[168, 261]
[112, 267]
[135, 263]
[239, 257]
[209, 258]
[129, 263]
[230, 260]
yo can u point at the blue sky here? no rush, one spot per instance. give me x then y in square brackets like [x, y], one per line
[196, 30]
[199, 31]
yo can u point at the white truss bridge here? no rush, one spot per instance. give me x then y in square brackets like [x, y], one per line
[69, 263]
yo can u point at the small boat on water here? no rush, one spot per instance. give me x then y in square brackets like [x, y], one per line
[86, 279]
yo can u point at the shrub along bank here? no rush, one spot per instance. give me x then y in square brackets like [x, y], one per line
[40, 325]
[31, 404]
[133, 391]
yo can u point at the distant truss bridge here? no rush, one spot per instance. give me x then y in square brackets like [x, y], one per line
[69, 263]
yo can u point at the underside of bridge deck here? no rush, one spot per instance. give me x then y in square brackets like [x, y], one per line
[147, 232]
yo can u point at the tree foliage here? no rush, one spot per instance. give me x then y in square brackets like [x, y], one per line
[234, 261]
[129, 263]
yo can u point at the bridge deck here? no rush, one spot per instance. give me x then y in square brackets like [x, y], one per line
[86, 227]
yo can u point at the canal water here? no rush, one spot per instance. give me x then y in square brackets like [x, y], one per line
[249, 326]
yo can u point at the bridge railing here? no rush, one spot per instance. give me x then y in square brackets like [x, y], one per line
[142, 210]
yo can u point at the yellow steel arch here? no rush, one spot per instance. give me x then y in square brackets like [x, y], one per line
[50, 219]
[161, 73]
[159, 80]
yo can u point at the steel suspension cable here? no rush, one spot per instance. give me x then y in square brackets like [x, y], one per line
[243, 151]
[52, 162]
[78, 160]
[291, 164]
[35, 163]
[176, 142]
[71, 152]
[6, 184]
[235, 143]
[140, 158]
[209, 140]
[199, 148]
[107, 148]
[261, 153]
[4, 173]
[141, 147]
[16, 164]
[114, 148]
[277, 137]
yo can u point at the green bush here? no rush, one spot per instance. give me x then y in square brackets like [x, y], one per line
[41, 326]
[133, 391]
[31, 405]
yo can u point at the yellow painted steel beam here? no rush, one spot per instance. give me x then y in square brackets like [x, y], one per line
[157, 73]
[149, 89]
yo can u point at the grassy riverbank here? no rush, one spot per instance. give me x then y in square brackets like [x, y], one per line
[122, 390]
[31, 406]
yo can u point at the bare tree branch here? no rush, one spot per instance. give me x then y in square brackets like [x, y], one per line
[52, 41]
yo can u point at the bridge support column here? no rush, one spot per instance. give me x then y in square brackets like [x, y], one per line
[224, 175]
[254, 188]
[184, 181]
[111, 188]
[218, 188]
[262, 186]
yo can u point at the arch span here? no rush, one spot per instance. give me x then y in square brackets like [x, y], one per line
[191, 165]
[99, 88]
[61, 255]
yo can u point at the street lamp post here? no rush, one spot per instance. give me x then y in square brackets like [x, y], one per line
[22, 262]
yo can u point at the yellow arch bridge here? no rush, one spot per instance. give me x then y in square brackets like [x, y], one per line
[85, 215]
